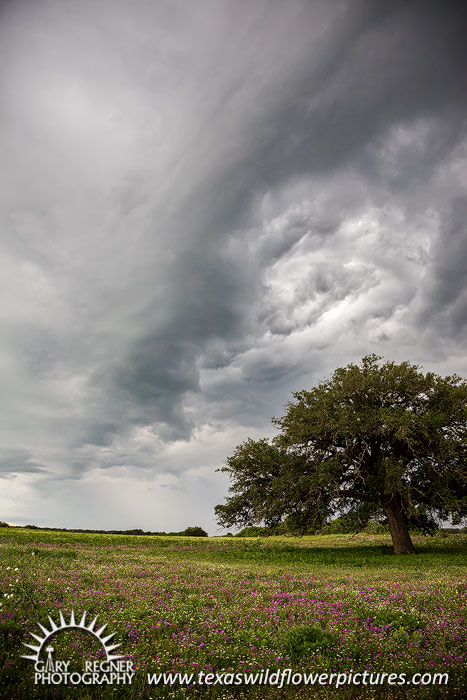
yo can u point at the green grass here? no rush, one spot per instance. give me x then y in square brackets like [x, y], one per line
[329, 603]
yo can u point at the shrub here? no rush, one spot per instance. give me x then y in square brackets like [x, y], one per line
[194, 532]
[302, 641]
[344, 526]
[396, 620]
[253, 531]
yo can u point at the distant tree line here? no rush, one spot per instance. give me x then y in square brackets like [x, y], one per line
[338, 526]
[195, 531]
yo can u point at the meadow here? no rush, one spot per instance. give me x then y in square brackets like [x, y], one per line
[322, 604]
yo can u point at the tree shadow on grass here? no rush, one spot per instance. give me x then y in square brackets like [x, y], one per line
[352, 556]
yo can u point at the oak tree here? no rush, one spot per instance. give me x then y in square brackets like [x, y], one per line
[375, 440]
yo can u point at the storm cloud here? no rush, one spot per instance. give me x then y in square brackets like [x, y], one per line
[206, 206]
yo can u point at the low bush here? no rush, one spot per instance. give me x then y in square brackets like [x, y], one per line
[303, 641]
[194, 532]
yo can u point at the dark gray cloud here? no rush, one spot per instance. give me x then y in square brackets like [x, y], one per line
[16, 461]
[444, 302]
[206, 207]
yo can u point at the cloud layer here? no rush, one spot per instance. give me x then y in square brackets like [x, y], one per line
[207, 206]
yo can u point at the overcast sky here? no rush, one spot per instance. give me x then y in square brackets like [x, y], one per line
[205, 206]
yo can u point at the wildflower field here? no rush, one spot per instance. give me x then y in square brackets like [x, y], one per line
[321, 604]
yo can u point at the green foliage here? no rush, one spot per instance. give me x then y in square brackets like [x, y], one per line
[308, 640]
[375, 439]
[337, 526]
[374, 527]
[194, 532]
[395, 620]
[253, 531]
[342, 526]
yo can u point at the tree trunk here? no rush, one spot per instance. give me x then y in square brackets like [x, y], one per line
[398, 525]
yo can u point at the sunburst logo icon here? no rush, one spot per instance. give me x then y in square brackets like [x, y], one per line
[55, 628]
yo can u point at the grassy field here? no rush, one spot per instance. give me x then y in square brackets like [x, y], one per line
[316, 604]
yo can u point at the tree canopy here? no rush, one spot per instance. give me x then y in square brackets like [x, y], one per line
[375, 440]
